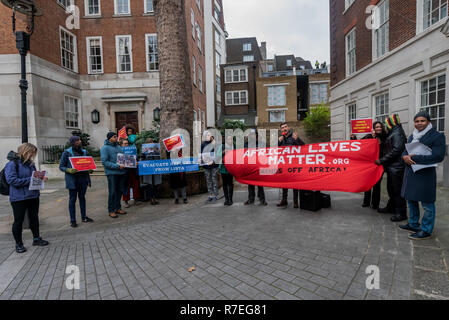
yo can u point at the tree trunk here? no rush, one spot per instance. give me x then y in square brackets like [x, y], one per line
[174, 65]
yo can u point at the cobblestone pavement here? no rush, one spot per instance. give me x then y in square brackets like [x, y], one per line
[241, 252]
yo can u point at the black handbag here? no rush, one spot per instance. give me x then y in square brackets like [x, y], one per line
[325, 200]
[310, 200]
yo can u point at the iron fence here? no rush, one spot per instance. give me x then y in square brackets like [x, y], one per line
[52, 154]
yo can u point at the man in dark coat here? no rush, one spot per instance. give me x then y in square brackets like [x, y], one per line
[420, 186]
[394, 166]
[76, 182]
[253, 141]
[289, 138]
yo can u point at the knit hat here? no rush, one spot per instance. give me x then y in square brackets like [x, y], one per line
[74, 139]
[110, 135]
[423, 114]
[392, 121]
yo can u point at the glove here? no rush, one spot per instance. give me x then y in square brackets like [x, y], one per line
[71, 171]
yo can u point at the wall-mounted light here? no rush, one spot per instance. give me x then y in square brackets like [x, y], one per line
[157, 114]
[95, 116]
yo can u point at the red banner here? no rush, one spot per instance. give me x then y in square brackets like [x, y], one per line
[346, 166]
[362, 126]
[83, 163]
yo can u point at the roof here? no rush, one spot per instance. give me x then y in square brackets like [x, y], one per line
[298, 62]
[234, 49]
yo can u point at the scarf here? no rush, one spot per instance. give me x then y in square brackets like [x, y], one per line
[418, 135]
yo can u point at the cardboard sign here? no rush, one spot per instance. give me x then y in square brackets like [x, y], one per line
[360, 126]
[174, 143]
[132, 151]
[83, 163]
[147, 168]
[122, 133]
[128, 161]
[151, 148]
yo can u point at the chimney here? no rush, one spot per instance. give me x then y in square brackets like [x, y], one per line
[263, 50]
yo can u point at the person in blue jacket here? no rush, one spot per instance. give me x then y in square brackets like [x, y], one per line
[115, 174]
[76, 182]
[18, 173]
[420, 186]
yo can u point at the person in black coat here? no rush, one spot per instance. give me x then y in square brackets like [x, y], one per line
[394, 166]
[253, 141]
[289, 138]
[372, 197]
[420, 186]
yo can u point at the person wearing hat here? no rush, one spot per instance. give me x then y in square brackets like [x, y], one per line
[115, 174]
[420, 186]
[394, 146]
[76, 182]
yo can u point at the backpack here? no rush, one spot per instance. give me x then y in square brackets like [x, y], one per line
[4, 186]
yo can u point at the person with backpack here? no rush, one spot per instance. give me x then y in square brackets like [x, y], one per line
[17, 174]
[76, 182]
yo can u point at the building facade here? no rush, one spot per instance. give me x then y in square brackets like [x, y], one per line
[399, 64]
[102, 57]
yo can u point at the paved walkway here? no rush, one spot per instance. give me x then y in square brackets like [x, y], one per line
[242, 252]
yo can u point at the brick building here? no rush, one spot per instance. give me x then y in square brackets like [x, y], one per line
[398, 64]
[109, 64]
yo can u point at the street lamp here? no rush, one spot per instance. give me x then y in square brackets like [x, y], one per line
[157, 114]
[28, 8]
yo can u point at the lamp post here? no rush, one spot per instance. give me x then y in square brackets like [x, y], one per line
[28, 8]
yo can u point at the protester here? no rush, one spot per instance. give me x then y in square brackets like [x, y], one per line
[420, 186]
[228, 179]
[253, 141]
[211, 168]
[394, 166]
[76, 182]
[153, 181]
[372, 197]
[132, 181]
[18, 173]
[131, 133]
[115, 174]
[178, 183]
[289, 138]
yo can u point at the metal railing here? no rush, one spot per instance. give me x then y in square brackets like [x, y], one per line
[51, 154]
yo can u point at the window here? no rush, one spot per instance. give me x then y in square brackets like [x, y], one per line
[348, 3]
[382, 108]
[198, 4]
[92, 7]
[277, 115]
[289, 62]
[200, 78]
[152, 52]
[247, 47]
[94, 55]
[276, 96]
[350, 53]
[65, 3]
[124, 53]
[194, 70]
[433, 100]
[236, 75]
[149, 7]
[352, 112]
[218, 87]
[381, 34]
[122, 7]
[217, 12]
[434, 11]
[192, 21]
[198, 35]
[248, 58]
[318, 93]
[217, 38]
[236, 98]
[72, 109]
[68, 50]
[270, 68]
[217, 62]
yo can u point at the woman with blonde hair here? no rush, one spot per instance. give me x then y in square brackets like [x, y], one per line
[18, 173]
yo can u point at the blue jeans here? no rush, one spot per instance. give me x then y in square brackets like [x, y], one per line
[428, 219]
[80, 193]
[116, 188]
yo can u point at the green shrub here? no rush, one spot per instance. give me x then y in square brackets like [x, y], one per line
[232, 124]
[317, 123]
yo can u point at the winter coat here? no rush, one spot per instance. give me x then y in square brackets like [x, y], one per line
[393, 148]
[155, 179]
[222, 152]
[109, 158]
[422, 185]
[178, 180]
[381, 145]
[72, 179]
[19, 179]
[203, 146]
[289, 141]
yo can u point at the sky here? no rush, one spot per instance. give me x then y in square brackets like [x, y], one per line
[299, 27]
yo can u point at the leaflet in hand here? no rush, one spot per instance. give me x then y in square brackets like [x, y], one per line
[419, 149]
[37, 180]
[129, 161]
